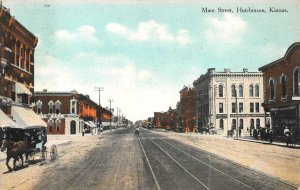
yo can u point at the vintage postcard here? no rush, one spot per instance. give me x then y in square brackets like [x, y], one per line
[148, 94]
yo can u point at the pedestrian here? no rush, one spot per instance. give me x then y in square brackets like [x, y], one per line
[271, 135]
[287, 134]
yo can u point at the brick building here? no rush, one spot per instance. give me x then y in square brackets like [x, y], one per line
[17, 46]
[69, 112]
[166, 120]
[188, 106]
[282, 91]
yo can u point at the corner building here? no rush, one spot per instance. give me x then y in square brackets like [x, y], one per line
[228, 99]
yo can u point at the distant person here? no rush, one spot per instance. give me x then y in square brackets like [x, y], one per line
[287, 134]
[271, 135]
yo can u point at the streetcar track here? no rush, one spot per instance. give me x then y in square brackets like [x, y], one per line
[158, 187]
[224, 159]
[179, 164]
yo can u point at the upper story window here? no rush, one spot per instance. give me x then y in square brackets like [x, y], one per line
[51, 123]
[220, 90]
[233, 107]
[57, 106]
[241, 107]
[51, 105]
[257, 107]
[296, 83]
[221, 109]
[256, 91]
[251, 107]
[233, 91]
[283, 82]
[73, 106]
[39, 106]
[251, 90]
[272, 90]
[241, 91]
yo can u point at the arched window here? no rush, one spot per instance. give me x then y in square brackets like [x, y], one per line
[220, 90]
[256, 91]
[257, 123]
[251, 90]
[233, 124]
[58, 122]
[272, 90]
[39, 104]
[51, 104]
[283, 86]
[73, 106]
[241, 124]
[251, 123]
[57, 107]
[221, 124]
[241, 91]
[233, 91]
[296, 82]
[51, 123]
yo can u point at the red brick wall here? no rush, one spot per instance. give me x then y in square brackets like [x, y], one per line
[54, 131]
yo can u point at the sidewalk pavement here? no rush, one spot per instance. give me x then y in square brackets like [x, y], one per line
[251, 139]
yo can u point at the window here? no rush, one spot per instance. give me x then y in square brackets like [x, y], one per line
[233, 108]
[241, 107]
[283, 86]
[233, 124]
[50, 121]
[73, 107]
[256, 107]
[221, 124]
[57, 107]
[241, 124]
[257, 123]
[233, 91]
[39, 106]
[256, 91]
[252, 123]
[251, 90]
[296, 82]
[58, 125]
[272, 90]
[251, 107]
[51, 104]
[220, 107]
[220, 90]
[241, 91]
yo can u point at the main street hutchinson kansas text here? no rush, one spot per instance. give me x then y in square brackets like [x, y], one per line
[243, 10]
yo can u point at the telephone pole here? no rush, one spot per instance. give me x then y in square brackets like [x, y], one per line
[99, 89]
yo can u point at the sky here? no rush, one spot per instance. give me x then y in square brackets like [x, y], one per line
[143, 52]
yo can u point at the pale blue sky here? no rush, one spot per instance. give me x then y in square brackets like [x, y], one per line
[144, 53]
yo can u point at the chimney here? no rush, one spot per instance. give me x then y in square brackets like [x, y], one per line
[211, 70]
[245, 70]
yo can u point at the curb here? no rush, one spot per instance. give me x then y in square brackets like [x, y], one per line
[266, 142]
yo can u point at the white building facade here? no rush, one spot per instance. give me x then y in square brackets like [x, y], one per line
[228, 99]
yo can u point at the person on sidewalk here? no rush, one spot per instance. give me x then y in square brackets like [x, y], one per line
[287, 134]
[271, 135]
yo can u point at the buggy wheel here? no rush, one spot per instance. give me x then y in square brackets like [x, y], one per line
[53, 152]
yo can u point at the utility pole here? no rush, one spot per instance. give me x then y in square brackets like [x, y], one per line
[110, 101]
[99, 89]
[237, 115]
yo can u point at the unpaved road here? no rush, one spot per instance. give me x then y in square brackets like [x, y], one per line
[122, 160]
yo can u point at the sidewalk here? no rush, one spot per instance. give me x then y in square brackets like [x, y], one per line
[251, 139]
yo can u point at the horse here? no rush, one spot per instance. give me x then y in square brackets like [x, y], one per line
[15, 150]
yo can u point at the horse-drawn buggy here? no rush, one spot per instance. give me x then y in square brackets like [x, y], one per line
[25, 142]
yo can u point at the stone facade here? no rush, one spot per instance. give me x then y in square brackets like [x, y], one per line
[282, 91]
[219, 109]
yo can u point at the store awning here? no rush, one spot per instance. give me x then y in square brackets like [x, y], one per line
[87, 123]
[26, 118]
[92, 124]
[6, 121]
[21, 89]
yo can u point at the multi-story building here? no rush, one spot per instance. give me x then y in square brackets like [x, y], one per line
[166, 120]
[228, 99]
[69, 112]
[282, 91]
[188, 108]
[17, 46]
